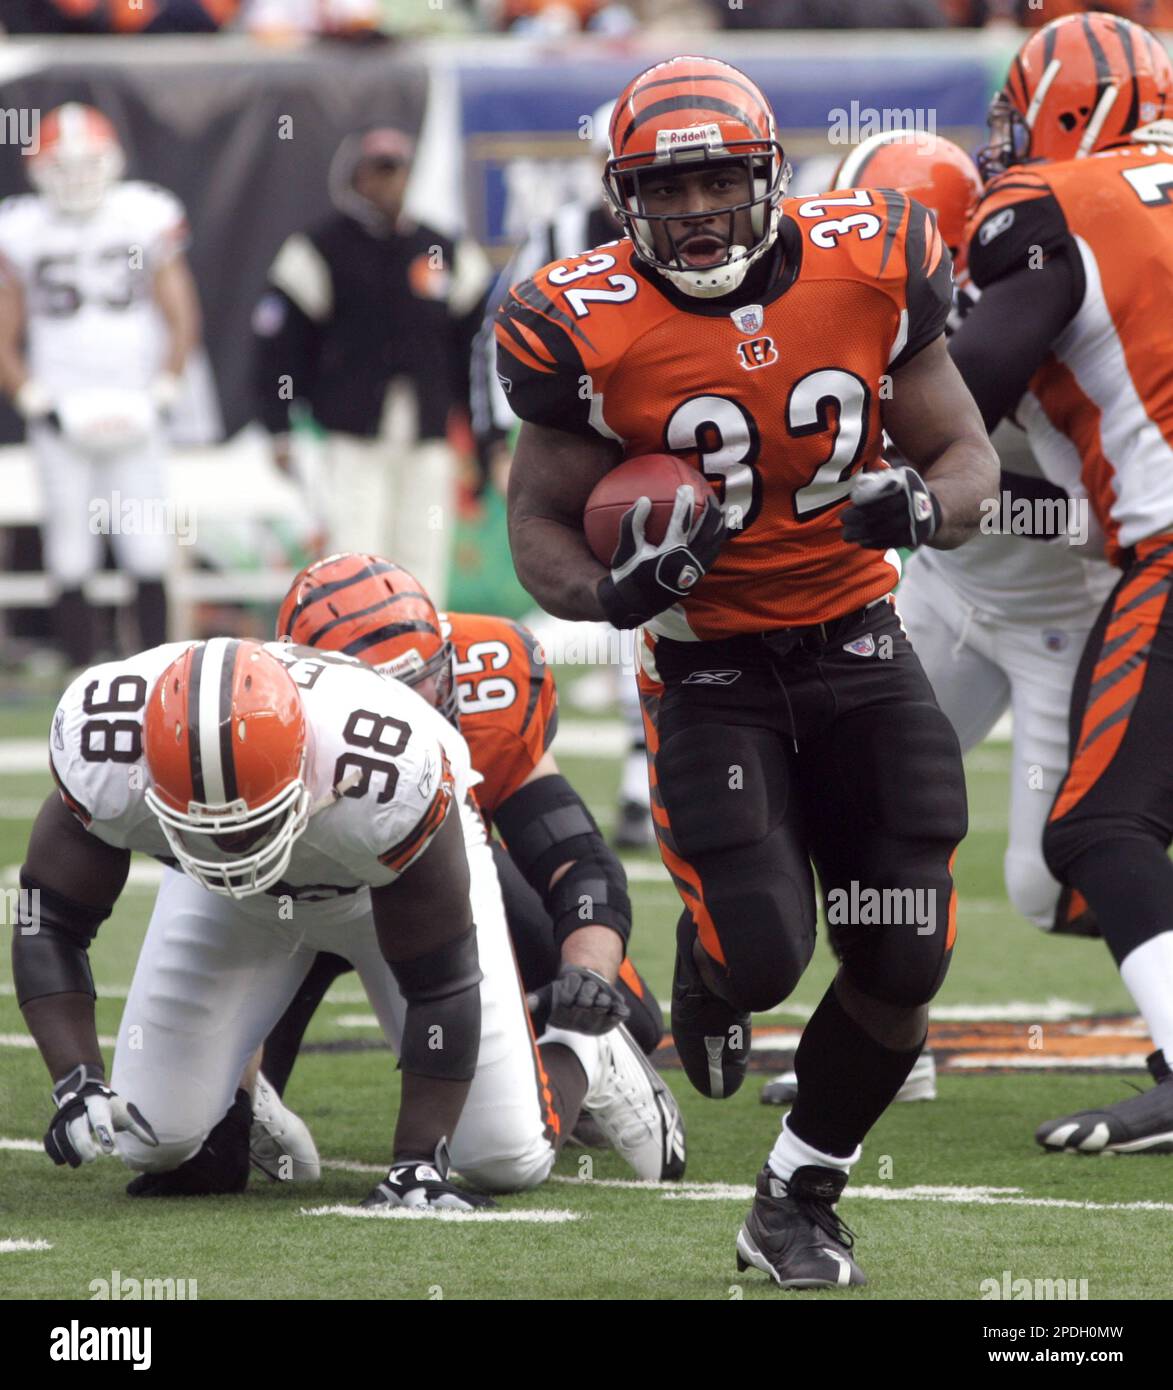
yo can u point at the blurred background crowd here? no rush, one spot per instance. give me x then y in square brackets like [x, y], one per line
[368, 20]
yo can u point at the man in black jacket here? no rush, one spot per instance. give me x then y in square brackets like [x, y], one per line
[368, 321]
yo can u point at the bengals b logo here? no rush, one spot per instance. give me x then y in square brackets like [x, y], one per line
[758, 352]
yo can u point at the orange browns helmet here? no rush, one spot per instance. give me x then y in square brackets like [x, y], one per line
[680, 114]
[225, 741]
[1080, 84]
[77, 159]
[373, 610]
[926, 167]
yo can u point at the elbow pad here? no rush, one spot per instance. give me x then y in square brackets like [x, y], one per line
[50, 942]
[545, 825]
[442, 1027]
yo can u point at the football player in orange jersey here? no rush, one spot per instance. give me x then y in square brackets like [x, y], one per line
[770, 342]
[1077, 224]
[488, 678]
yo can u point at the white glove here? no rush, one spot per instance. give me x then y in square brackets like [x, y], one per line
[89, 1114]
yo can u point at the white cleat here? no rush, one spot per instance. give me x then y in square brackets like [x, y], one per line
[921, 1084]
[635, 1109]
[280, 1143]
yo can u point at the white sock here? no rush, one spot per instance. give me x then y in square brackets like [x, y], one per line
[584, 1047]
[791, 1152]
[634, 785]
[1148, 975]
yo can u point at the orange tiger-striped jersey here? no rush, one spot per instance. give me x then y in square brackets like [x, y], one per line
[1099, 410]
[507, 698]
[777, 402]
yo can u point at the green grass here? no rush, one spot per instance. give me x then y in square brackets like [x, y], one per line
[624, 1244]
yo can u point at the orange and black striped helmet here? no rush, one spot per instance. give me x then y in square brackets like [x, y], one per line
[376, 611]
[1080, 84]
[225, 740]
[676, 116]
[929, 168]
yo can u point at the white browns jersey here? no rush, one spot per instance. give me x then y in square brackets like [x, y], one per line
[391, 806]
[88, 284]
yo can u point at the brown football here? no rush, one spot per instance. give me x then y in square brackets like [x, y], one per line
[655, 476]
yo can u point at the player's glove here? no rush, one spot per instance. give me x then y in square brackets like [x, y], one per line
[423, 1182]
[584, 1001]
[645, 578]
[891, 508]
[35, 405]
[89, 1114]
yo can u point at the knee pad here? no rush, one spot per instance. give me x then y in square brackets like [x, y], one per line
[1032, 890]
[723, 786]
[762, 903]
[905, 761]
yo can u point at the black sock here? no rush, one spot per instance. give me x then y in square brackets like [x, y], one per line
[220, 1166]
[846, 1080]
[284, 1040]
[568, 1087]
[1129, 886]
[150, 606]
[74, 622]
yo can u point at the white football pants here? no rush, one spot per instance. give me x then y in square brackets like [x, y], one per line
[979, 666]
[84, 498]
[215, 975]
[394, 496]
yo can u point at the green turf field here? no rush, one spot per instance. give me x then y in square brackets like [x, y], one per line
[1035, 1215]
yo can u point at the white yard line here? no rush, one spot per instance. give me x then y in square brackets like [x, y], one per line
[25, 1040]
[541, 1217]
[13, 1247]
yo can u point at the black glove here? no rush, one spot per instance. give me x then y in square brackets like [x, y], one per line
[891, 508]
[645, 578]
[583, 1001]
[423, 1182]
[89, 1114]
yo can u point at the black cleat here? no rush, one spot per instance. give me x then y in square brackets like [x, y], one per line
[712, 1037]
[220, 1167]
[794, 1234]
[1141, 1124]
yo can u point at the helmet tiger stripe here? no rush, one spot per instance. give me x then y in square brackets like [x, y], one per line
[1080, 84]
[372, 609]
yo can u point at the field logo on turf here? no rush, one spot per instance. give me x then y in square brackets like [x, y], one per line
[123, 1288]
[77, 1343]
[1011, 1288]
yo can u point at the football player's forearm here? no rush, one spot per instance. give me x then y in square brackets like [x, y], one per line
[964, 477]
[555, 565]
[178, 302]
[595, 948]
[64, 1030]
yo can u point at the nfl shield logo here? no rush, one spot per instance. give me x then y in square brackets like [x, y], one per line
[749, 319]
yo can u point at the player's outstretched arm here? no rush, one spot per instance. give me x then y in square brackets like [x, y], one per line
[934, 422]
[426, 933]
[552, 476]
[554, 841]
[69, 883]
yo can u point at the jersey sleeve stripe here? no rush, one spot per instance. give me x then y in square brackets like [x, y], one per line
[537, 672]
[67, 796]
[933, 245]
[519, 346]
[399, 856]
[896, 203]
